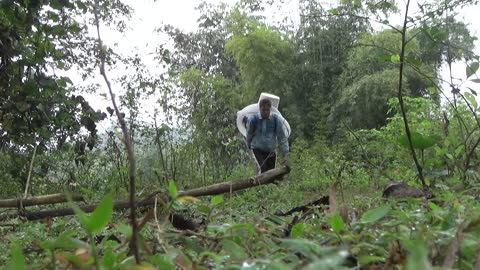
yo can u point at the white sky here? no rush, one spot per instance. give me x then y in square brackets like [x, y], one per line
[151, 14]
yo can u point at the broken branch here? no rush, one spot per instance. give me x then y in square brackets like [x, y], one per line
[39, 200]
[226, 187]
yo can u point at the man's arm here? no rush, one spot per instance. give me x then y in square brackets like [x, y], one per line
[282, 137]
[250, 130]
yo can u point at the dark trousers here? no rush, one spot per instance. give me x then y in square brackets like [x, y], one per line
[266, 160]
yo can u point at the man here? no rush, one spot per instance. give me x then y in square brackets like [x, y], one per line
[264, 131]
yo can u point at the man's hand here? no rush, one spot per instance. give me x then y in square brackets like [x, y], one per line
[286, 161]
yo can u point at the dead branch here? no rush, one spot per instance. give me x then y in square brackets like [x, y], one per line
[119, 205]
[127, 139]
[226, 187]
[231, 186]
[39, 200]
[303, 208]
[30, 171]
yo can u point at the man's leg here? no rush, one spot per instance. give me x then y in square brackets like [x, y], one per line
[262, 159]
[270, 161]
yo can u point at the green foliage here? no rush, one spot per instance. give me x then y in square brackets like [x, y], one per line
[172, 188]
[337, 224]
[263, 56]
[99, 218]
[418, 254]
[375, 214]
[338, 82]
[208, 115]
[216, 200]
[38, 107]
[419, 141]
[18, 260]
[472, 69]
[321, 46]
[370, 79]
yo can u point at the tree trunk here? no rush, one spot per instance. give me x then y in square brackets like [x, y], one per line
[230, 186]
[262, 179]
[39, 200]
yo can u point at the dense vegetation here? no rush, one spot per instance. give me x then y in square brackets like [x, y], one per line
[365, 99]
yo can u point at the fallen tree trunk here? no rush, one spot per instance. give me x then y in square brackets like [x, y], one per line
[119, 205]
[39, 200]
[230, 186]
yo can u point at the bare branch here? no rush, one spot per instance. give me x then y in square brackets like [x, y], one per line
[39, 200]
[127, 141]
[400, 98]
[30, 172]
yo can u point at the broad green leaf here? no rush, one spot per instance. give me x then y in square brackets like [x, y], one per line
[471, 99]
[62, 83]
[82, 6]
[419, 141]
[306, 247]
[124, 229]
[375, 214]
[218, 259]
[438, 34]
[384, 58]
[475, 80]
[418, 255]
[395, 58]
[217, 199]
[101, 216]
[297, 230]
[370, 259]
[337, 224]
[203, 209]
[18, 260]
[386, 5]
[434, 207]
[276, 219]
[193, 244]
[472, 91]
[243, 229]
[432, 90]
[234, 250]
[108, 259]
[459, 150]
[472, 69]
[22, 106]
[65, 241]
[162, 262]
[172, 188]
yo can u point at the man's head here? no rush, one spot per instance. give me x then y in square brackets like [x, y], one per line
[265, 107]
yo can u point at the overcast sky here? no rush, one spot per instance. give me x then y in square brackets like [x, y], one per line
[150, 14]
